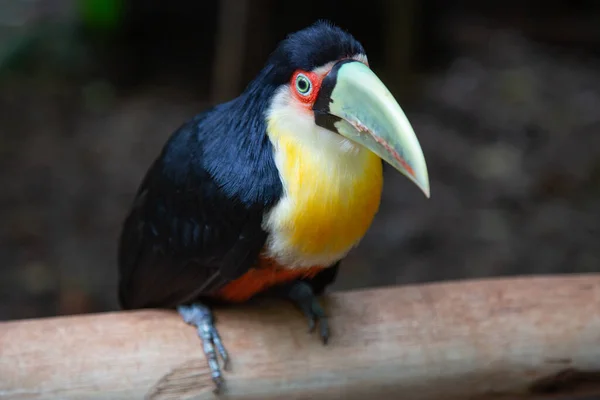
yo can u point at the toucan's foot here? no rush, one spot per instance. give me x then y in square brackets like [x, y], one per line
[201, 317]
[302, 295]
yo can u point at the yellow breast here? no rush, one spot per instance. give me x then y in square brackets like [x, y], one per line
[332, 192]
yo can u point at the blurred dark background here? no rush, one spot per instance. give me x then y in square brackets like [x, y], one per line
[504, 95]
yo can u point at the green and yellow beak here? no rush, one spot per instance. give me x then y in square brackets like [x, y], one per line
[353, 102]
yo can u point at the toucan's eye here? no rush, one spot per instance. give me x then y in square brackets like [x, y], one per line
[303, 85]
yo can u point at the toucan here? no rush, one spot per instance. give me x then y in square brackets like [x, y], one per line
[265, 194]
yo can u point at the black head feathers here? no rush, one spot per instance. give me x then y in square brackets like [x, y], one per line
[308, 49]
[316, 45]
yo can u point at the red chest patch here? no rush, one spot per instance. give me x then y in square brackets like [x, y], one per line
[265, 275]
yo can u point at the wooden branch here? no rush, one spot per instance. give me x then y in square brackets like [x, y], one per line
[230, 48]
[399, 39]
[490, 339]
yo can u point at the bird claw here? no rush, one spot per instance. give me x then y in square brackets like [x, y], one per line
[324, 324]
[302, 294]
[315, 316]
[201, 317]
[312, 324]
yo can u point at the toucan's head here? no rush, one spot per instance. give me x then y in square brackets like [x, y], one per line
[323, 88]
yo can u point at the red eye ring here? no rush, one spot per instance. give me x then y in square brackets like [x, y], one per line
[305, 86]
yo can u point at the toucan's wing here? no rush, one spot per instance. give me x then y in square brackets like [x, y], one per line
[185, 235]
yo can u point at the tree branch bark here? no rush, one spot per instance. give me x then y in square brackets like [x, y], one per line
[518, 338]
[230, 48]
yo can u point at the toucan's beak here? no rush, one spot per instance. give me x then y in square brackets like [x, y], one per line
[353, 102]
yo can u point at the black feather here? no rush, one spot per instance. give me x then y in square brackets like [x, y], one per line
[307, 49]
[199, 210]
[195, 223]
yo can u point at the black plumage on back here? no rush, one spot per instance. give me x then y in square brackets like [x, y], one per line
[195, 223]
